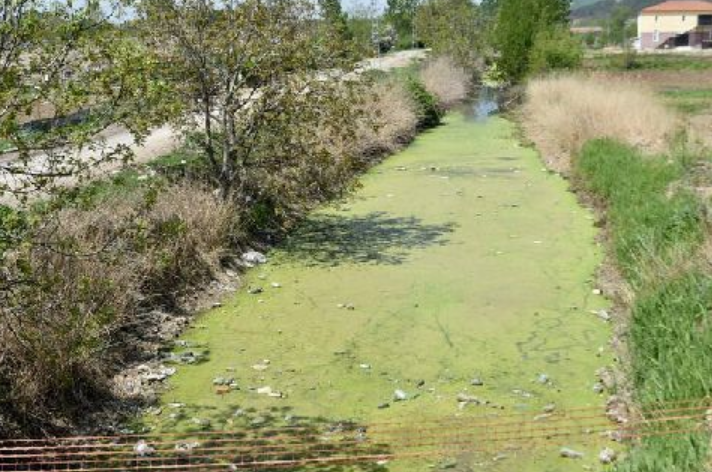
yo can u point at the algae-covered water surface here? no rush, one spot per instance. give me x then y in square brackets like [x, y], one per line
[459, 260]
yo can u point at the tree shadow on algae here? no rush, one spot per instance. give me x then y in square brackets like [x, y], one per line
[374, 238]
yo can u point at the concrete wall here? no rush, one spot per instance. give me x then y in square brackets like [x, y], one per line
[647, 40]
[668, 22]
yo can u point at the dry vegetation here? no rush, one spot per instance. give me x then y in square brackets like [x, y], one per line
[97, 269]
[447, 81]
[389, 122]
[562, 113]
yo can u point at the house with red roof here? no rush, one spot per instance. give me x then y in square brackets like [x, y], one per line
[676, 24]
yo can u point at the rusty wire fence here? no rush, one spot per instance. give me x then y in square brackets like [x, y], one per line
[345, 443]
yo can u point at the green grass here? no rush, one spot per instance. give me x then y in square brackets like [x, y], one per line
[670, 334]
[631, 61]
[691, 102]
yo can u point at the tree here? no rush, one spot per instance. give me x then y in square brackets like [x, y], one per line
[401, 14]
[518, 23]
[617, 27]
[66, 76]
[555, 49]
[336, 18]
[259, 85]
[452, 28]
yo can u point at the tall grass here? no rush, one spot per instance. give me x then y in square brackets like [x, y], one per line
[562, 113]
[657, 233]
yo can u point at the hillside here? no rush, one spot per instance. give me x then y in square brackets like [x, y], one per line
[603, 8]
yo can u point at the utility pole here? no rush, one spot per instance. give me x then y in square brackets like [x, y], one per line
[375, 28]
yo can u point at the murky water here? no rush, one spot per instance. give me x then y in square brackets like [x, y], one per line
[459, 258]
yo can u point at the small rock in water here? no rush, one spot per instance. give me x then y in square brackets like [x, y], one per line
[477, 382]
[607, 456]
[543, 379]
[142, 449]
[254, 290]
[597, 291]
[570, 453]
[383, 406]
[465, 398]
[365, 366]
[549, 408]
[399, 396]
[276, 285]
[252, 258]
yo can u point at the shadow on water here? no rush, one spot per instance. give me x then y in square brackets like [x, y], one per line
[374, 238]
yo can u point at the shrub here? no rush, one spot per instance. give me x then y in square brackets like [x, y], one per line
[447, 81]
[554, 49]
[74, 292]
[427, 109]
[389, 121]
[562, 113]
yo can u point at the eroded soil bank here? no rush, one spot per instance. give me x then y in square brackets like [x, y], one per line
[459, 259]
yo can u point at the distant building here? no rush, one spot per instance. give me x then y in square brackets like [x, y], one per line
[676, 24]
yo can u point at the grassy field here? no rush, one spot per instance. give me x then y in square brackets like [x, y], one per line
[655, 62]
[459, 258]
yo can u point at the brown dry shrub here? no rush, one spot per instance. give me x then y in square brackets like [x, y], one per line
[561, 113]
[69, 297]
[389, 120]
[447, 81]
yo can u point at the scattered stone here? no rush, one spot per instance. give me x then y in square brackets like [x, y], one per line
[276, 285]
[383, 406]
[399, 396]
[253, 258]
[603, 314]
[257, 421]
[264, 390]
[597, 291]
[231, 273]
[570, 453]
[598, 387]
[254, 290]
[349, 306]
[261, 366]
[176, 405]
[617, 410]
[499, 457]
[543, 416]
[222, 381]
[420, 383]
[607, 456]
[465, 398]
[543, 379]
[477, 382]
[186, 447]
[549, 408]
[401, 168]
[275, 394]
[142, 449]
[216, 305]
[365, 366]
[448, 464]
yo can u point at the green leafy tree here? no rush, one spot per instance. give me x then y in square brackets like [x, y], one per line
[66, 76]
[401, 14]
[451, 28]
[618, 31]
[252, 78]
[336, 18]
[555, 49]
[518, 24]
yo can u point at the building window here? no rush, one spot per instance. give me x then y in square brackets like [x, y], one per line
[705, 20]
[656, 36]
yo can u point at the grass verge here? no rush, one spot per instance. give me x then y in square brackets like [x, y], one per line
[655, 227]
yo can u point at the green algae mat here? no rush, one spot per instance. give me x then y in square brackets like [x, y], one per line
[460, 269]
